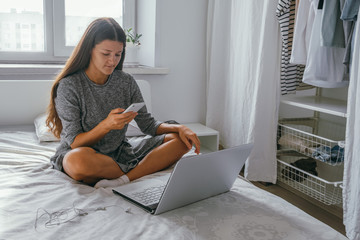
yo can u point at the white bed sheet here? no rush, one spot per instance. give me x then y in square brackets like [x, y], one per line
[32, 194]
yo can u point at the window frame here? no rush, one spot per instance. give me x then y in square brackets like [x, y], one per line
[55, 50]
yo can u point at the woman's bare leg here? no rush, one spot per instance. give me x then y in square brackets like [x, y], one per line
[86, 165]
[161, 157]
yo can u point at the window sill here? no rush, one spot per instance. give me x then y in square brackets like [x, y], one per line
[53, 69]
[141, 69]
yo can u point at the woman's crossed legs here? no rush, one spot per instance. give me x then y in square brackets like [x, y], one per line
[86, 165]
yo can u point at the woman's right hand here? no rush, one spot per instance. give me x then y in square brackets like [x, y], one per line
[117, 120]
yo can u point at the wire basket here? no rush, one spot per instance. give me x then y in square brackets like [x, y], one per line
[305, 138]
[327, 192]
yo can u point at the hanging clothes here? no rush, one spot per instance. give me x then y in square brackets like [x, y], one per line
[303, 27]
[324, 67]
[350, 10]
[332, 30]
[336, 32]
[349, 15]
[291, 74]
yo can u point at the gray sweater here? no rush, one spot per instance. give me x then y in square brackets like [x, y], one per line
[81, 105]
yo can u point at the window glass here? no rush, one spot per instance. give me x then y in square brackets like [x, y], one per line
[79, 13]
[22, 26]
[37, 31]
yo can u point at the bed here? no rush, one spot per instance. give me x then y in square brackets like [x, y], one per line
[38, 202]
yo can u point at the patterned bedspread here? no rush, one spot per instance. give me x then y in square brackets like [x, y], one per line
[37, 202]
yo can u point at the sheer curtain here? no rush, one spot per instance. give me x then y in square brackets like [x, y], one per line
[351, 191]
[243, 72]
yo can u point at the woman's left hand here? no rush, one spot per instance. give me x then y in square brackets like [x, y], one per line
[189, 138]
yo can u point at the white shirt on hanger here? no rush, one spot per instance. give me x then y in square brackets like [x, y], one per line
[303, 26]
[324, 67]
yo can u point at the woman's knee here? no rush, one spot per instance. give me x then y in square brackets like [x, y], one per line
[172, 136]
[76, 162]
[175, 138]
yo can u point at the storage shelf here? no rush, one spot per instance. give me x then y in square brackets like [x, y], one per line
[317, 103]
[324, 191]
[311, 150]
[327, 146]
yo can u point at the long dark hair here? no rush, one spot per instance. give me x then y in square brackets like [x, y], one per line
[99, 30]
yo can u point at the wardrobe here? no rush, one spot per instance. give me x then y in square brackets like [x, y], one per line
[313, 105]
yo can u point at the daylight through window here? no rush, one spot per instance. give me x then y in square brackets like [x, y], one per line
[48, 30]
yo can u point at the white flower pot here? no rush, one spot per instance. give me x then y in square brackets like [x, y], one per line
[131, 54]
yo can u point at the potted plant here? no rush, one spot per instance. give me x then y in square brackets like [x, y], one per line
[132, 47]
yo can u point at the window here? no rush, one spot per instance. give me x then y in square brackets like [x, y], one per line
[48, 30]
[15, 30]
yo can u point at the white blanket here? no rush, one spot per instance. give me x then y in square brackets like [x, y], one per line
[38, 202]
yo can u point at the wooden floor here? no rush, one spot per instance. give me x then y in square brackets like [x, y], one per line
[308, 207]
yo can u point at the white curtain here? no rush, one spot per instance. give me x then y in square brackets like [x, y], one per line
[351, 191]
[243, 77]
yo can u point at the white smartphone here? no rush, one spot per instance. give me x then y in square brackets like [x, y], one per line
[134, 107]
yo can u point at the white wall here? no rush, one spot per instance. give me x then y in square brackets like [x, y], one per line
[180, 46]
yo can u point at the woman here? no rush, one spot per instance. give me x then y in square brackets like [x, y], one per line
[85, 111]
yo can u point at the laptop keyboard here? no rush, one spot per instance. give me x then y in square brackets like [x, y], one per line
[149, 195]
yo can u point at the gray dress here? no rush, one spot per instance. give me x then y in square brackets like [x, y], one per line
[81, 105]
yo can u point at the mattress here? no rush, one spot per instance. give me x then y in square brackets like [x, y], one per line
[38, 202]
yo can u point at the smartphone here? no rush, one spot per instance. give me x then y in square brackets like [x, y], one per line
[134, 107]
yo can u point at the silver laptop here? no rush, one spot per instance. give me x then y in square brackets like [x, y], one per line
[193, 179]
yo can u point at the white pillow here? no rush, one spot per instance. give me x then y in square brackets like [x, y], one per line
[45, 135]
[42, 131]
